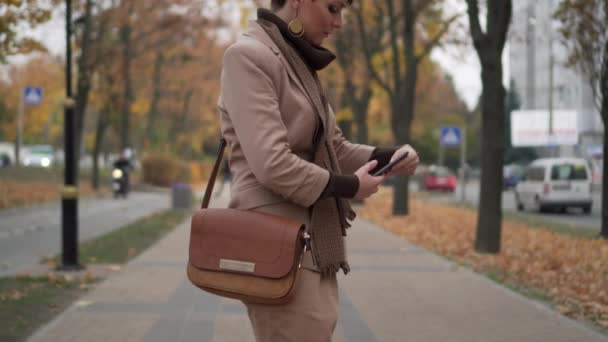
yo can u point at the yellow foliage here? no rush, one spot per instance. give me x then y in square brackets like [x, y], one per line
[199, 172]
[573, 272]
[141, 106]
[165, 170]
[345, 114]
[42, 72]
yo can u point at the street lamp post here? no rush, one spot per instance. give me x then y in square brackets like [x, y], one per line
[69, 194]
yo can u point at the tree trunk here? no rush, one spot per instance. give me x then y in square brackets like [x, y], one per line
[181, 124]
[492, 152]
[604, 113]
[125, 37]
[358, 105]
[403, 110]
[153, 113]
[489, 47]
[360, 115]
[102, 124]
[186, 109]
[83, 87]
[401, 132]
[360, 109]
[604, 231]
[346, 128]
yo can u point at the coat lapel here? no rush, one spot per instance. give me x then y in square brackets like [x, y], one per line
[257, 32]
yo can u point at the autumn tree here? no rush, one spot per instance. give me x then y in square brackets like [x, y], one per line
[13, 16]
[85, 73]
[146, 26]
[104, 55]
[413, 29]
[173, 49]
[357, 86]
[489, 45]
[584, 31]
[42, 124]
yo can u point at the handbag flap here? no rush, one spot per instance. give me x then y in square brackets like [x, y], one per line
[246, 242]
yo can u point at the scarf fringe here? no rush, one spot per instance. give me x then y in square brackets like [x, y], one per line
[333, 269]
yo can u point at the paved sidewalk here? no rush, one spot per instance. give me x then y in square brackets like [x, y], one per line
[396, 292]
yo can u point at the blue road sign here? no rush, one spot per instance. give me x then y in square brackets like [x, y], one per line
[32, 95]
[451, 136]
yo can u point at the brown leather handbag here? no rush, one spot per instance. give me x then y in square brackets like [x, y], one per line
[245, 255]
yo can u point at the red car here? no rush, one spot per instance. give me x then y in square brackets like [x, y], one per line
[440, 178]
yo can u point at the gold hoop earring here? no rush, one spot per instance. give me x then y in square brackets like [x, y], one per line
[295, 26]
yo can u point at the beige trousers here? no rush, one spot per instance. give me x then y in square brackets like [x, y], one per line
[310, 316]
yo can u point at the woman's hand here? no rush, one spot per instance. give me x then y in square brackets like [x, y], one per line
[407, 166]
[368, 184]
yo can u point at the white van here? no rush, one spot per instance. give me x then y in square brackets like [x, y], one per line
[555, 183]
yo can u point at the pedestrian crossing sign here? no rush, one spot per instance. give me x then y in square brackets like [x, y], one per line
[32, 96]
[451, 136]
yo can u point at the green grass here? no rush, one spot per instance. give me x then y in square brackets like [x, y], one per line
[538, 223]
[501, 277]
[27, 303]
[30, 174]
[53, 174]
[561, 228]
[123, 244]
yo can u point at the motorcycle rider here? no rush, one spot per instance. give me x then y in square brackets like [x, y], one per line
[123, 163]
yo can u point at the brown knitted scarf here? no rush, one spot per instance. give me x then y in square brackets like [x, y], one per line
[329, 215]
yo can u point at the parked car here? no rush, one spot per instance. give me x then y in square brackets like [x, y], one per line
[39, 155]
[512, 174]
[439, 178]
[555, 183]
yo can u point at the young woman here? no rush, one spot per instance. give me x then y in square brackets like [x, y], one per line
[289, 158]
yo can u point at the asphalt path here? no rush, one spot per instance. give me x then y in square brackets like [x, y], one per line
[572, 216]
[29, 234]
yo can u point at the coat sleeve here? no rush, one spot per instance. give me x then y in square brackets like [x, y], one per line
[249, 96]
[350, 156]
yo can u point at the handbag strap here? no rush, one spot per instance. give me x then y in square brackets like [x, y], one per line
[305, 236]
[213, 176]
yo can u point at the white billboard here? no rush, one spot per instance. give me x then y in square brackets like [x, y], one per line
[531, 128]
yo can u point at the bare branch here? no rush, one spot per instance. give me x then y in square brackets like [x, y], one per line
[367, 52]
[433, 42]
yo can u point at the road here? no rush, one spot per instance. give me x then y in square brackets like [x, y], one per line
[29, 234]
[573, 217]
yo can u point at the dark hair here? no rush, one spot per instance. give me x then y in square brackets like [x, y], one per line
[278, 4]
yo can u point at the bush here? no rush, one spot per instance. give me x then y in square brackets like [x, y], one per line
[200, 171]
[165, 170]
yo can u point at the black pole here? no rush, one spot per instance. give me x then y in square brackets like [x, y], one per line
[69, 202]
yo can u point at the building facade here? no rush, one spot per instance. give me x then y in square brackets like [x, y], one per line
[537, 61]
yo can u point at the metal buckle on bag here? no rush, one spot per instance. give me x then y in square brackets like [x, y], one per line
[306, 238]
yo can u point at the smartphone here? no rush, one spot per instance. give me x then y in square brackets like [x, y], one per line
[390, 165]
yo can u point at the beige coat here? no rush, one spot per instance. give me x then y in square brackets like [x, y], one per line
[269, 120]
